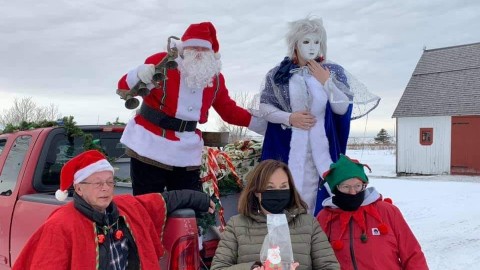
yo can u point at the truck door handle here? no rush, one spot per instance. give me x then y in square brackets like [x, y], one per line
[3, 259]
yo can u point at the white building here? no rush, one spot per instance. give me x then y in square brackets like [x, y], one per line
[438, 116]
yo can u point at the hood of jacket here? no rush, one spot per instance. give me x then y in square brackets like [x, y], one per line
[371, 196]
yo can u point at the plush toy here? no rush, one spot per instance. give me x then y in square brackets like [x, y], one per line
[274, 259]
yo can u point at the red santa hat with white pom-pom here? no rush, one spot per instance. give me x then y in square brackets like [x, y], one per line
[202, 34]
[79, 168]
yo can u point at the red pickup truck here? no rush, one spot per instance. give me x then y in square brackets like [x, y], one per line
[30, 164]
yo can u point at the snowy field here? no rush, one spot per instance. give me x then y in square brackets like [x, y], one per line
[443, 211]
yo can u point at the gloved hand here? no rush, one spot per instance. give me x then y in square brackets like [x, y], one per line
[145, 73]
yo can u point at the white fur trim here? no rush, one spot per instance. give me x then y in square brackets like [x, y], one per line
[99, 166]
[197, 42]
[189, 102]
[61, 195]
[299, 139]
[318, 137]
[320, 149]
[309, 153]
[185, 152]
[297, 155]
[217, 55]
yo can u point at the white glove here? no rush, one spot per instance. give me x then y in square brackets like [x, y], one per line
[145, 73]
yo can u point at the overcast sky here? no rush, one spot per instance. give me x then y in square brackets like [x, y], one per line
[72, 53]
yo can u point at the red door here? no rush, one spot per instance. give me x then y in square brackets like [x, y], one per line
[465, 157]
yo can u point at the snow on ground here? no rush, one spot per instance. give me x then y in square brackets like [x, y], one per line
[443, 211]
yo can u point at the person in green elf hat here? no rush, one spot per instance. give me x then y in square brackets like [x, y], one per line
[365, 230]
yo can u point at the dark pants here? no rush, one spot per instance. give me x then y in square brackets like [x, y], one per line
[147, 178]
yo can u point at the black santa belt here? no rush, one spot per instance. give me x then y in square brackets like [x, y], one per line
[164, 121]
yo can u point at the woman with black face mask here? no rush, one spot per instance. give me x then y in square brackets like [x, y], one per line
[366, 231]
[270, 190]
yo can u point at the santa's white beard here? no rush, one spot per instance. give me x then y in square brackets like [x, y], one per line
[198, 68]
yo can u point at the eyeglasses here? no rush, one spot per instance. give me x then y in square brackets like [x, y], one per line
[347, 188]
[99, 185]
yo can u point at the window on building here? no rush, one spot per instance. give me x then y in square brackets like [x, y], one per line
[426, 136]
[13, 165]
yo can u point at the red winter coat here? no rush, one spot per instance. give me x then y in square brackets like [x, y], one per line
[68, 240]
[389, 245]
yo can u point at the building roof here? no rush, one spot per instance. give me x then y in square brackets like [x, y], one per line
[446, 82]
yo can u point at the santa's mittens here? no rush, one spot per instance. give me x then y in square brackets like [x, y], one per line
[145, 73]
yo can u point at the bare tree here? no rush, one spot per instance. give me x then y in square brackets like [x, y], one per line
[27, 110]
[51, 112]
[245, 100]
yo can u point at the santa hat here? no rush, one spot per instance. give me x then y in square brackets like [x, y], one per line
[79, 168]
[344, 169]
[202, 35]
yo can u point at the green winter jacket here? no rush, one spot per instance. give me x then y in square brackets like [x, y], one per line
[243, 237]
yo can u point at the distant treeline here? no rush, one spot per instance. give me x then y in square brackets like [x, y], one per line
[371, 146]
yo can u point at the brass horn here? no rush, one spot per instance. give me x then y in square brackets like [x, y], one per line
[159, 76]
[129, 95]
[131, 102]
[143, 91]
[168, 62]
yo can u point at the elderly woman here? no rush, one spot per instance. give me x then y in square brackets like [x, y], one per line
[270, 189]
[308, 102]
[365, 231]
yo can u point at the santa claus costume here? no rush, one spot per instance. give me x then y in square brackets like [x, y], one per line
[162, 139]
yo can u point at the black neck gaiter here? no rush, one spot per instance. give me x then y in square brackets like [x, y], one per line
[348, 202]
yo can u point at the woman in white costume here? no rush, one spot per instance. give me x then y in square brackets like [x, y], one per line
[308, 103]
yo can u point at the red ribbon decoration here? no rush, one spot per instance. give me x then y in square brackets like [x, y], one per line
[212, 167]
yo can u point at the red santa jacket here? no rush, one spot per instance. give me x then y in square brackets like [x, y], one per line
[174, 99]
[68, 239]
[376, 236]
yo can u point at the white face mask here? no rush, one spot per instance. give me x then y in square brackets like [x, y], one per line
[309, 46]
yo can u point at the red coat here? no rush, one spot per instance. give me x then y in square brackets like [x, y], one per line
[177, 100]
[68, 240]
[390, 244]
